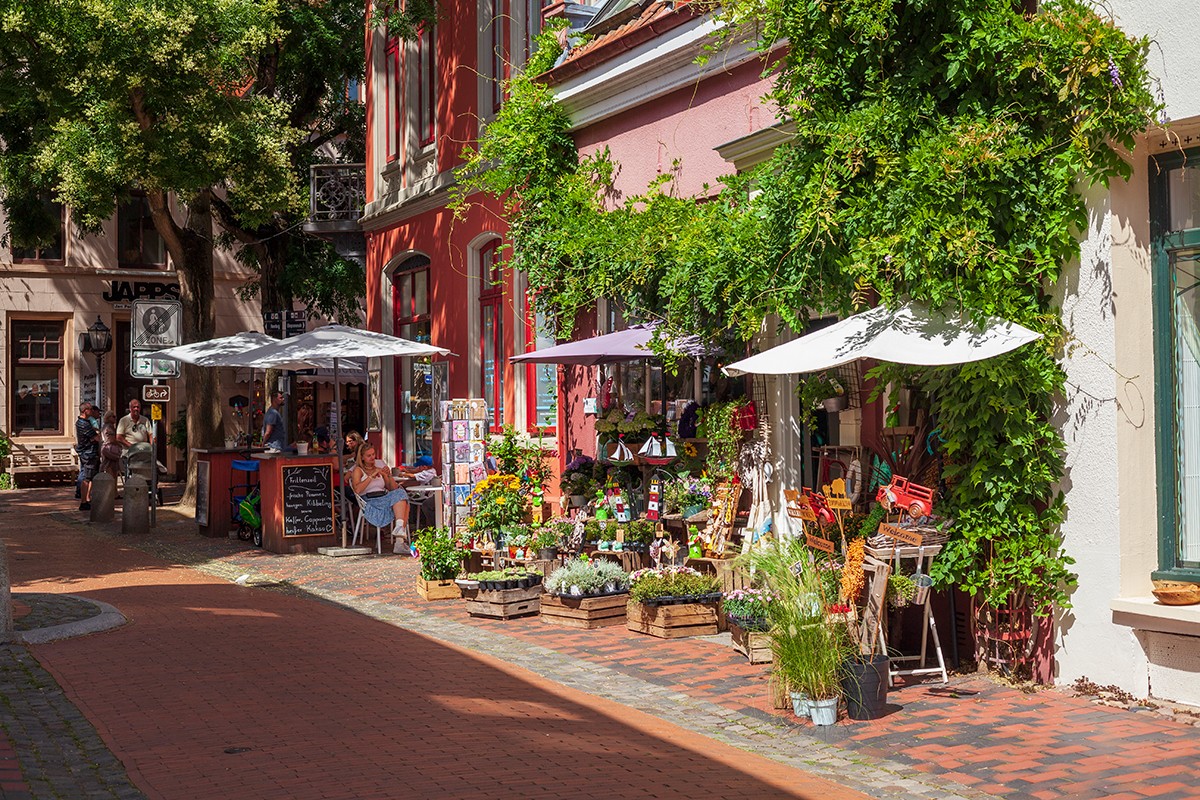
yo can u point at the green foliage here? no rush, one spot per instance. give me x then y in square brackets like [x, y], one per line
[650, 584]
[6, 481]
[177, 437]
[440, 558]
[515, 454]
[939, 154]
[640, 531]
[5, 446]
[716, 425]
[809, 651]
[592, 577]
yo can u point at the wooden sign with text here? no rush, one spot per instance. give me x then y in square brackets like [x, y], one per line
[835, 496]
[901, 534]
[817, 543]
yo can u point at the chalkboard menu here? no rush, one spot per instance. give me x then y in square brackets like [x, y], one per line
[307, 500]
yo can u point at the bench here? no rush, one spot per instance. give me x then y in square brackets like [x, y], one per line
[43, 459]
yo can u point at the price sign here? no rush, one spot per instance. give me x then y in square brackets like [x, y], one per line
[156, 394]
[817, 543]
[805, 511]
[901, 534]
[156, 412]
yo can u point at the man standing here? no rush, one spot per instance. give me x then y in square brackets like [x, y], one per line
[87, 445]
[274, 432]
[133, 427]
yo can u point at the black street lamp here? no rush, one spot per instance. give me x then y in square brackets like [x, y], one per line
[98, 341]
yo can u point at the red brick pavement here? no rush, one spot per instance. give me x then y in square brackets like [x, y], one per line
[994, 738]
[330, 703]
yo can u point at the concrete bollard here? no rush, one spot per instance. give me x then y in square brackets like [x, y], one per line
[135, 506]
[6, 611]
[104, 498]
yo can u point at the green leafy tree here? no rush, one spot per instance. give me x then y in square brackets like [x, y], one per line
[213, 109]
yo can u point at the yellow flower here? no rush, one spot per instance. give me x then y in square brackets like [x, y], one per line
[501, 501]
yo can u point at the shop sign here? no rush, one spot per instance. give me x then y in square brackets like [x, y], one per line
[901, 534]
[123, 293]
[817, 543]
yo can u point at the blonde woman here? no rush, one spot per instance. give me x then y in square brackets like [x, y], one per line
[383, 501]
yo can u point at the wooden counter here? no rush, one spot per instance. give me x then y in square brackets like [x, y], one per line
[298, 501]
[214, 514]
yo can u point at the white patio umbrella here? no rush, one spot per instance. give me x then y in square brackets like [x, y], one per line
[222, 352]
[336, 343]
[910, 334]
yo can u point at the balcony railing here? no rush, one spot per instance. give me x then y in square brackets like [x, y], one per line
[336, 198]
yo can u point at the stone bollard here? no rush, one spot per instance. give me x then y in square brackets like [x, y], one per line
[6, 617]
[104, 497]
[135, 506]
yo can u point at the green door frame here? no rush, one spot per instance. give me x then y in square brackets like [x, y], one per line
[1163, 243]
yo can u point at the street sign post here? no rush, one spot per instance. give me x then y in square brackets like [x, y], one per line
[155, 414]
[143, 364]
[273, 324]
[295, 323]
[156, 324]
[156, 394]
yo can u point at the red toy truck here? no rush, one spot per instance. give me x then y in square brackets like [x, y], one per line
[917, 500]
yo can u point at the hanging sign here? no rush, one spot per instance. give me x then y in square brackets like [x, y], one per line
[901, 534]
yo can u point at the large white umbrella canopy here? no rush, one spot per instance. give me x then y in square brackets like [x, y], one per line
[223, 352]
[337, 343]
[910, 334]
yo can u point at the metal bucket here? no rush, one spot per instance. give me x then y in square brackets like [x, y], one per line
[924, 583]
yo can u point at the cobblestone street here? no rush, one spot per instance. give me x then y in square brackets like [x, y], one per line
[332, 678]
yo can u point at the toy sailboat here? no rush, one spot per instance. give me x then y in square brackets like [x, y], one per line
[658, 451]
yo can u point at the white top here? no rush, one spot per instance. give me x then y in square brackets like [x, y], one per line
[134, 432]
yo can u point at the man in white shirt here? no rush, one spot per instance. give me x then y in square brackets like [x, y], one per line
[133, 427]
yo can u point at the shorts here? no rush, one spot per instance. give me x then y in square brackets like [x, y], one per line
[88, 468]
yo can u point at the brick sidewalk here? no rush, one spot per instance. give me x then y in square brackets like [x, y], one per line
[977, 734]
[216, 690]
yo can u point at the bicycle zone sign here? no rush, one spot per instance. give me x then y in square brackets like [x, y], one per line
[155, 325]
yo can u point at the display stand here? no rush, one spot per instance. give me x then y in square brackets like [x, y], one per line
[464, 453]
[878, 559]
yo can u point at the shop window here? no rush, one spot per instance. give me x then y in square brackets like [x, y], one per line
[410, 298]
[491, 344]
[138, 242]
[48, 251]
[36, 374]
[1175, 226]
[500, 56]
[427, 84]
[393, 98]
[541, 380]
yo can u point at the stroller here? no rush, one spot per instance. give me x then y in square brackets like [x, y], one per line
[138, 460]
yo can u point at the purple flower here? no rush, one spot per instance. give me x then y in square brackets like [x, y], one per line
[1114, 74]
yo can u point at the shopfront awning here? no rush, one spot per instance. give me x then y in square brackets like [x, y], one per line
[631, 344]
[910, 334]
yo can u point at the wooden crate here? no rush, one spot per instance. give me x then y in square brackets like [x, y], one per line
[754, 645]
[505, 603]
[584, 612]
[778, 691]
[673, 622]
[438, 590]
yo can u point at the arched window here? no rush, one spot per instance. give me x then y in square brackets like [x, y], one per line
[491, 330]
[414, 388]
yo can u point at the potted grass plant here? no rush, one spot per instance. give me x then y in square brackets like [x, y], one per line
[809, 649]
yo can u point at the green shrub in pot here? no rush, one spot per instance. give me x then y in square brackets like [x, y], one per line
[441, 559]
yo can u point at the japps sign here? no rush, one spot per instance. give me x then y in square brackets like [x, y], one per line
[123, 293]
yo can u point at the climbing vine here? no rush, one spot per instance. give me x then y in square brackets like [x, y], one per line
[939, 153]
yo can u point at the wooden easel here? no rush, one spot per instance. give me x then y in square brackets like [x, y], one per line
[878, 558]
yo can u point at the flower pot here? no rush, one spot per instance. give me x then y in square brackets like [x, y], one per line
[839, 403]
[576, 591]
[799, 704]
[824, 711]
[617, 547]
[691, 511]
[923, 583]
[602, 545]
[865, 686]
[512, 552]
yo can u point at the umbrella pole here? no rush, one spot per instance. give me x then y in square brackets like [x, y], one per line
[341, 440]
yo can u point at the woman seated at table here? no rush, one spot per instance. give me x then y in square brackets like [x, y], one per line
[383, 501]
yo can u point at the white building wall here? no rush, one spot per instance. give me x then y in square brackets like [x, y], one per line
[1171, 25]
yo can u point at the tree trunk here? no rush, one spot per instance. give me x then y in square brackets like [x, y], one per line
[197, 292]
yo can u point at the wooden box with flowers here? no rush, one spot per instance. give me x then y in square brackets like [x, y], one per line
[586, 594]
[441, 561]
[673, 602]
[749, 624]
[503, 593]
